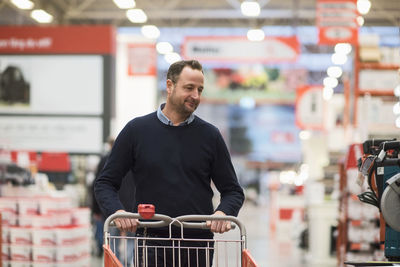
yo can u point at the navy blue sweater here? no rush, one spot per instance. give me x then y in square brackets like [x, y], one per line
[172, 168]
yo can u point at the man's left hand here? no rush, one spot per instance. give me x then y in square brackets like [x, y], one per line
[218, 226]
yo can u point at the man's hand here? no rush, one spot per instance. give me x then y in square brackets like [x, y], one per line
[219, 226]
[126, 224]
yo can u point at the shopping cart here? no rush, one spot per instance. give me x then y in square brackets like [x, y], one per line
[172, 251]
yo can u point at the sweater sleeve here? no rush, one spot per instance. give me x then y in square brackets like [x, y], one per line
[225, 180]
[106, 186]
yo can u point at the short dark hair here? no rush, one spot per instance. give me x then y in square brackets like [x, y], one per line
[176, 68]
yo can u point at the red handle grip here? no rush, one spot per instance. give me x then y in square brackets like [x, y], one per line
[146, 211]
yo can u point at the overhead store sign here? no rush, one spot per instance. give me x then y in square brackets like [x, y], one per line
[57, 40]
[239, 49]
[337, 21]
[309, 108]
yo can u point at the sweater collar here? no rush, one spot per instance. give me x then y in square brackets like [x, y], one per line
[161, 116]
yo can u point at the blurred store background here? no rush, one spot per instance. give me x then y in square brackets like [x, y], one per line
[294, 86]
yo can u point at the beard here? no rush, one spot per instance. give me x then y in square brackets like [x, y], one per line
[185, 107]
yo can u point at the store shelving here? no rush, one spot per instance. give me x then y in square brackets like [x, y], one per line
[358, 226]
[374, 80]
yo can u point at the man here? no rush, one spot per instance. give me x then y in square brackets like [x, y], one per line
[174, 156]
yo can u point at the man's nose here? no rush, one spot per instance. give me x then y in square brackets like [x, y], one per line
[195, 94]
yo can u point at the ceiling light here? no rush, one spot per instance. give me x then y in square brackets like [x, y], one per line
[164, 47]
[339, 59]
[255, 35]
[327, 93]
[397, 91]
[396, 109]
[247, 102]
[172, 57]
[23, 4]
[330, 82]
[250, 8]
[360, 20]
[343, 48]
[334, 71]
[150, 31]
[125, 4]
[304, 135]
[363, 6]
[136, 15]
[41, 16]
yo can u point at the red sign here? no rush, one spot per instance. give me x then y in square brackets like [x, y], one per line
[337, 21]
[142, 59]
[57, 40]
[310, 108]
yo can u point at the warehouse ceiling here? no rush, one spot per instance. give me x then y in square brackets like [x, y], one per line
[190, 13]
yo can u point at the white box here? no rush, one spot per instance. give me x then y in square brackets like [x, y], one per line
[384, 80]
[19, 263]
[20, 252]
[62, 218]
[43, 236]
[41, 221]
[368, 40]
[81, 216]
[67, 253]
[43, 254]
[43, 264]
[49, 205]
[84, 262]
[65, 235]
[25, 220]
[8, 204]
[84, 249]
[75, 263]
[28, 205]
[20, 235]
[5, 252]
[5, 235]
[8, 217]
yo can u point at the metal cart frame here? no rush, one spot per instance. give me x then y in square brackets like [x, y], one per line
[235, 252]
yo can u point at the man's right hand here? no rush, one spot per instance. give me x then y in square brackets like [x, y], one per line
[126, 224]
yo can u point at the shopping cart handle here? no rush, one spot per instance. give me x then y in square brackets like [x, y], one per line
[159, 220]
[187, 221]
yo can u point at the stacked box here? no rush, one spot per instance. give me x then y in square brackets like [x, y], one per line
[44, 231]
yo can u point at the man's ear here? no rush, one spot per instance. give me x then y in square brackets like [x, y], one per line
[170, 86]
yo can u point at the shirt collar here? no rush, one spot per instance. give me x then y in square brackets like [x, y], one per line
[161, 116]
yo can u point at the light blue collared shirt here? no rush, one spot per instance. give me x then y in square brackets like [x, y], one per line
[161, 116]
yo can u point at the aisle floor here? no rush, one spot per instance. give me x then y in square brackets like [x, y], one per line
[269, 248]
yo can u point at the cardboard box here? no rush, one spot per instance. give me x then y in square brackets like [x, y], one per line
[8, 217]
[8, 204]
[80, 216]
[20, 253]
[5, 235]
[48, 205]
[44, 254]
[16, 263]
[20, 235]
[28, 205]
[384, 80]
[43, 221]
[44, 236]
[5, 252]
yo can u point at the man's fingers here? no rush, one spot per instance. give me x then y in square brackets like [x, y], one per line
[127, 225]
[218, 226]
